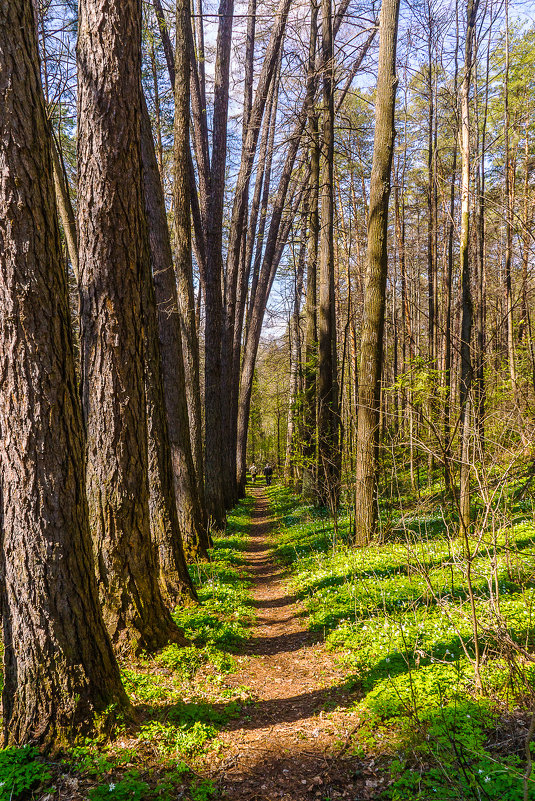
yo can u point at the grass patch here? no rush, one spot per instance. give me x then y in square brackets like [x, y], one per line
[398, 615]
[181, 694]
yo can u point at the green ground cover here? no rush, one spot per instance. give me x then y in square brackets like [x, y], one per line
[403, 619]
[180, 697]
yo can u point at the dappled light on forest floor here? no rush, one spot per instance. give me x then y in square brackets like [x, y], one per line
[292, 742]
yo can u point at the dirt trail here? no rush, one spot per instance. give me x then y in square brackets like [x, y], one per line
[292, 744]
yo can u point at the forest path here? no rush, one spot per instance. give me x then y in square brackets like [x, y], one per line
[292, 743]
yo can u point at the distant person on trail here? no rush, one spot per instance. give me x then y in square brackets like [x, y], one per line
[268, 472]
[254, 472]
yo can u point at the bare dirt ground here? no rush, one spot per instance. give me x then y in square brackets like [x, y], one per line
[294, 742]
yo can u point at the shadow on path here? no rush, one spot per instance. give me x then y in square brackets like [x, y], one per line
[289, 743]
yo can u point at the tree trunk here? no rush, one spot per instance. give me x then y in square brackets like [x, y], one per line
[480, 392]
[466, 322]
[169, 444]
[219, 483]
[448, 285]
[184, 277]
[295, 358]
[175, 583]
[59, 667]
[311, 346]
[328, 413]
[183, 264]
[157, 114]
[509, 203]
[64, 204]
[112, 247]
[371, 353]
[431, 245]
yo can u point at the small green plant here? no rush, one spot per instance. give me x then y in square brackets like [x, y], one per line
[186, 662]
[88, 760]
[93, 761]
[173, 740]
[146, 687]
[21, 771]
[130, 788]
[398, 615]
[204, 790]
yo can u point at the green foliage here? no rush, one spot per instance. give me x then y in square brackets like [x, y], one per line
[187, 727]
[187, 661]
[93, 761]
[224, 612]
[130, 788]
[146, 687]
[21, 770]
[181, 692]
[176, 740]
[204, 790]
[398, 615]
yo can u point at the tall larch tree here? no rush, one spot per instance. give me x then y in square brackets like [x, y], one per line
[371, 350]
[466, 297]
[112, 249]
[59, 667]
[165, 287]
[311, 312]
[175, 582]
[173, 283]
[196, 538]
[328, 416]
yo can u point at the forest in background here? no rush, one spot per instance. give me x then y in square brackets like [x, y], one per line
[294, 233]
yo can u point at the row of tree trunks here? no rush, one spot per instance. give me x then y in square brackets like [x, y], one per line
[59, 667]
[258, 305]
[184, 308]
[262, 284]
[235, 274]
[189, 512]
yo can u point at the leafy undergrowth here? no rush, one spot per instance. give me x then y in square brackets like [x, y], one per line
[398, 616]
[181, 697]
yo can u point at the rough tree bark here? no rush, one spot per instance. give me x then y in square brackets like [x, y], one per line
[184, 278]
[311, 346]
[371, 353]
[218, 481]
[295, 355]
[171, 497]
[112, 247]
[64, 203]
[184, 187]
[328, 413]
[163, 273]
[467, 311]
[59, 667]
